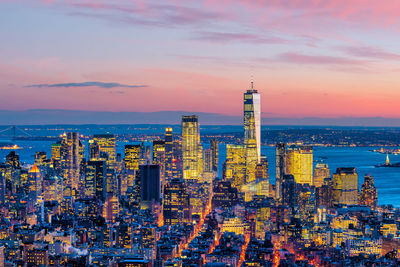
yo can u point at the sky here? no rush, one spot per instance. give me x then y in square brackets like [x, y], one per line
[308, 58]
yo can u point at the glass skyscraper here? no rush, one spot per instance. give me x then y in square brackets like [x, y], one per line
[252, 131]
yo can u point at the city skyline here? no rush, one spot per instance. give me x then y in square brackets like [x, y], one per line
[193, 56]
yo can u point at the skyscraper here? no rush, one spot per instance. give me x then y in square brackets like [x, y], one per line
[150, 185]
[132, 155]
[280, 152]
[176, 203]
[252, 131]
[234, 169]
[190, 148]
[252, 120]
[299, 163]
[95, 179]
[321, 172]
[70, 162]
[369, 194]
[169, 153]
[159, 158]
[106, 143]
[345, 186]
[214, 154]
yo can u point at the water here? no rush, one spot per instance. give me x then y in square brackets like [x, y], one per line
[387, 180]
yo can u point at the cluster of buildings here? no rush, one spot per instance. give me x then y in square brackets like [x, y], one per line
[165, 204]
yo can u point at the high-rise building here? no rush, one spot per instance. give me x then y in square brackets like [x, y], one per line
[369, 194]
[169, 153]
[321, 172]
[299, 163]
[214, 154]
[40, 158]
[252, 131]
[94, 150]
[176, 203]
[324, 194]
[190, 148]
[289, 190]
[95, 179]
[252, 120]
[345, 186]
[35, 183]
[132, 155]
[159, 158]
[150, 185]
[70, 162]
[13, 159]
[107, 144]
[280, 152]
[207, 160]
[234, 168]
[56, 151]
[262, 177]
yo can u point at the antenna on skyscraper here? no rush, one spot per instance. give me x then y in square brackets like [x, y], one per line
[252, 82]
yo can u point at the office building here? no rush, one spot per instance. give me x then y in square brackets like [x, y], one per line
[176, 203]
[369, 194]
[190, 148]
[234, 167]
[321, 172]
[345, 186]
[150, 185]
[299, 163]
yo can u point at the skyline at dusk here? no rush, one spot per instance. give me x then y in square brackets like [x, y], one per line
[321, 59]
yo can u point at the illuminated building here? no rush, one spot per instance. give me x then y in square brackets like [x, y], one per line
[234, 225]
[35, 183]
[159, 158]
[37, 257]
[150, 185]
[132, 155]
[262, 177]
[280, 151]
[190, 148]
[289, 190]
[176, 203]
[299, 163]
[111, 208]
[345, 186]
[94, 150]
[214, 154]
[56, 151]
[12, 159]
[207, 160]
[252, 131]
[364, 246]
[70, 162]
[169, 153]
[369, 194]
[389, 228]
[321, 172]
[2, 189]
[306, 201]
[40, 158]
[124, 235]
[234, 168]
[252, 121]
[53, 189]
[224, 195]
[106, 143]
[324, 194]
[95, 179]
